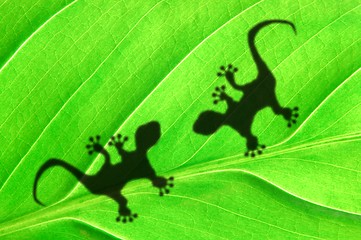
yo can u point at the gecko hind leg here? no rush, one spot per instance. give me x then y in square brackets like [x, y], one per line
[290, 115]
[162, 184]
[253, 147]
[125, 214]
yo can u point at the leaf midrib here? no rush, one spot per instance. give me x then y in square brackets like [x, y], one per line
[192, 171]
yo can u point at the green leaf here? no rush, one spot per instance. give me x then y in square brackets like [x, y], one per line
[74, 69]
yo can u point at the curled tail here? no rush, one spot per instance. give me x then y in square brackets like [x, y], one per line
[52, 163]
[261, 65]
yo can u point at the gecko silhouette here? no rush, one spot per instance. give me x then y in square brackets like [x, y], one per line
[111, 178]
[257, 95]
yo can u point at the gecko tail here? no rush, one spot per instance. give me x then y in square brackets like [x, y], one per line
[49, 164]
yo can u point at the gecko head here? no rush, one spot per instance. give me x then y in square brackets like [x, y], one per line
[147, 135]
[208, 122]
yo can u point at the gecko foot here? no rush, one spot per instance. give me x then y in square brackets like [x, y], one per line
[293, 116]
[118, 140]
[94, 145]
[219, 94]
[162, 184]
[227, 71]
[253, 152]
[126, 216]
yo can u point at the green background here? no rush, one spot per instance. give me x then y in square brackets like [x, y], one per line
[74, 69]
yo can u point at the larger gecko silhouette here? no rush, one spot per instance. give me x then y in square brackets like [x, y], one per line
[257, 95]
[111, 178]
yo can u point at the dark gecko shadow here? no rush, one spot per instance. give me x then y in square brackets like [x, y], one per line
[257, 95]
[111, 178]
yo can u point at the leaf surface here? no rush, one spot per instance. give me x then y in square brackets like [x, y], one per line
[74, 69]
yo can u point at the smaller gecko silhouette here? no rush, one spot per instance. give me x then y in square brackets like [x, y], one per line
[111, 178]
[257, 95]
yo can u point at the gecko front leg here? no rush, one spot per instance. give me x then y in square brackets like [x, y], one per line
[162, 184]
[220, 95]
[118, 141]
[95, 146]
